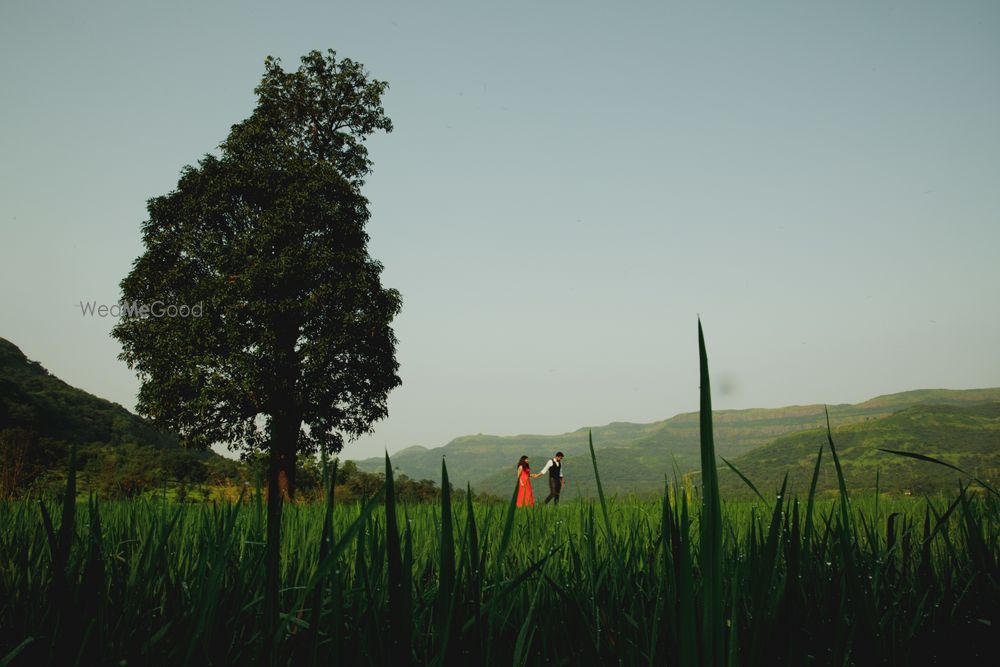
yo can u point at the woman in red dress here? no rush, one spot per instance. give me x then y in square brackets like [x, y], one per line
[525, 495]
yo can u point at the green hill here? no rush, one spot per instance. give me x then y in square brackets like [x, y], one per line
[31, 398]
[636, 457]
[965, 436]
[41, 416]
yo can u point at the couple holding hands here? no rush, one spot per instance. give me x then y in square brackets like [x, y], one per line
[525, 495]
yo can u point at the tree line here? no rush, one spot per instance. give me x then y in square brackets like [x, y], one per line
[33, 466]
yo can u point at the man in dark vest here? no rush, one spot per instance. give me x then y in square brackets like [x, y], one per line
[556, 479]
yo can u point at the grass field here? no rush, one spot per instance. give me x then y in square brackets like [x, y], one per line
[153, 582]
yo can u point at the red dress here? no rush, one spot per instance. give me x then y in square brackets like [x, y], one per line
[525, 495]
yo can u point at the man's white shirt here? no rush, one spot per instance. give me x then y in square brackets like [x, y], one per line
[548, 465]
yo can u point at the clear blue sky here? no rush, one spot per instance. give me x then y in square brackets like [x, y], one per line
[568, 186]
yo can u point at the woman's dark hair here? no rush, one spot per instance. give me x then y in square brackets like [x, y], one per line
[521, 463]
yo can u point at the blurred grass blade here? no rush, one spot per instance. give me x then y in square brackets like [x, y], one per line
[743, 477]
[9, 658]
[527, 632]
[941, 520]
[931, 459]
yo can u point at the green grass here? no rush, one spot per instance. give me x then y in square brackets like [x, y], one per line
[162, 583]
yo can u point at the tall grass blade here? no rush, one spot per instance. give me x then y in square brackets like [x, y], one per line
[16, 651]
[399, 616]
[526, 633]
[687, 625]
[733, 657]
[845, 515]
[931, 459]
[91, 591]
[942, 520]
[446, 575]
[494, 602]
[600, 491]
[67, 529]
[508, 531]
[324, 568]
[808, 530]
[324, 548]
[710, 556]
[743, 477]
[406, 583]
[207, 601]
[475, 567]
[51, 536]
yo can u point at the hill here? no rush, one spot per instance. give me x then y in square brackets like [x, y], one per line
[31, 398]
[41, 416]
[636, 457]
[965, 436]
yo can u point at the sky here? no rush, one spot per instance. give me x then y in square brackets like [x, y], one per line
[568, 187]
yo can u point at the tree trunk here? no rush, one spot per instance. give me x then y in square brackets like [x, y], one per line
[280, 486]
[283, 455]
[286, 421]
[274, 502]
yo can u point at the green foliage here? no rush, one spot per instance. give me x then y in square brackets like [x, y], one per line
[293, 348]
[963, 436]
[33, 399]
[709, 525]
[119, 454]
[591, 600]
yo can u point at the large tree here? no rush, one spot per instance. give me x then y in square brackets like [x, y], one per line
[268, 327]
[290, 348]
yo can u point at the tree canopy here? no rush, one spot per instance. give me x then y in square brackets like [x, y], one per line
[292, 347]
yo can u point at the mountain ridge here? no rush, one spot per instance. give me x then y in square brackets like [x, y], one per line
[635, 457]
[965, 436]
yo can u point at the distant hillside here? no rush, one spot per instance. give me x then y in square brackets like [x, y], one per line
[32, 398]
[636, 457]
[119, 452]
[965, 436]
[475, 457]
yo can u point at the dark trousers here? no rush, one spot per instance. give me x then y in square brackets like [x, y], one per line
[555, 486]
